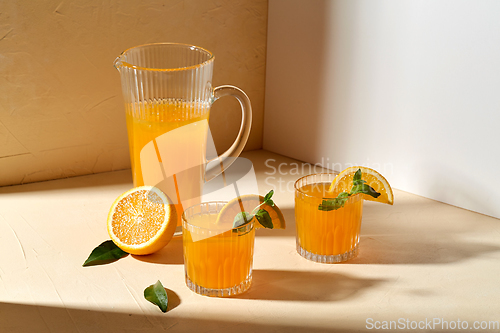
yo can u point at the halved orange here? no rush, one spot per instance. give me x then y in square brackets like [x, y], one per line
[247, 203]
[142, 220]
[343, 183]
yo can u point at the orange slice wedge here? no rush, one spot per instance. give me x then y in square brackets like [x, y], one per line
[142, 220]
[343, 183]
[246, 203]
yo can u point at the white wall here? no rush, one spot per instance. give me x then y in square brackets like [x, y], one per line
[411, 88]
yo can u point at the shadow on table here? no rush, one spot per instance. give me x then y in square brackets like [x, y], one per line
[172, 254]
[401, 239]
[417, 249]
[120, 177]
[418, 236]
[21, 318]
[287, 285]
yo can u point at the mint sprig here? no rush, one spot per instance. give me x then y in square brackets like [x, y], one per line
[359, 186]
[241, 219]
[261, 215]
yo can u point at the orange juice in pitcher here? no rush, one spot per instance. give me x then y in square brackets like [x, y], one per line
[168, 93]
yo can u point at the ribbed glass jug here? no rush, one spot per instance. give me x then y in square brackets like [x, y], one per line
[167, 90]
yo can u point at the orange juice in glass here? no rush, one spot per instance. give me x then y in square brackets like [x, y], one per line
[217, 258]
[325, 236]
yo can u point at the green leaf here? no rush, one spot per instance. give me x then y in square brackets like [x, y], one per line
[356, 179]
[264, 218]
[357, 176]
[262, 215]
[105, 253]
[157, 295]
[241, 219]
[333, 204]
[365, 189]
[359, 186]
[268, 196]
[343, 195]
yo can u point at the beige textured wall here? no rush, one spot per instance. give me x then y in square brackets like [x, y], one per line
[61, 111]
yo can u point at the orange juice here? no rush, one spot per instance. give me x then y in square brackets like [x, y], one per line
[148, 121]
[217, 259]
[326, 236]
[151, 125]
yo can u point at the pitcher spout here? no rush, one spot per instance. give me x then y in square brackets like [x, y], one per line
[118, 62]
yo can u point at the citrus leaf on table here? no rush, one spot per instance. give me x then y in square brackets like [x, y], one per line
[157, 295]
[105, 253]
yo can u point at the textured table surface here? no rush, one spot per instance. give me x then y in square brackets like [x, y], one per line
[421, 262]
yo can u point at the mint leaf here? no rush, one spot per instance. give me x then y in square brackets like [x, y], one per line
[268, 196]
[365, 189]
[334, 204]
[262, 215]
[157, 295]
[267, 200]
[264, 218]
[241, 219]
[105, 253]
[343, 195]
[357, 177]
[359, 186]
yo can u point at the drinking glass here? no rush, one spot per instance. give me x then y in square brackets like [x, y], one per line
[325, 236]
[217, 258]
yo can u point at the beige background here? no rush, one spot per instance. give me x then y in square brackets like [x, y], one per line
[61, 111]
[418, 260]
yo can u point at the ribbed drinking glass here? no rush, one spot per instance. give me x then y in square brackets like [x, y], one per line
[217, 258]
[325, 236]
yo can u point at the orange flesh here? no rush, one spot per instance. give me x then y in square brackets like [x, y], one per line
[345, 184]
[138, 217]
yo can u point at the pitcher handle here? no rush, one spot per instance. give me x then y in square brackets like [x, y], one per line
[216, 166]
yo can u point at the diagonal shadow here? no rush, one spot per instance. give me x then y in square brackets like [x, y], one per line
[287, 285]
[172, 254]
[420, 249]
[401, 242]
[80, 183]
[21, 318]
